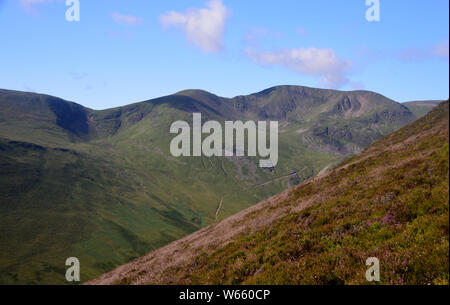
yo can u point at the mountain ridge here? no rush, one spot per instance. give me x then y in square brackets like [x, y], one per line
[90, 124]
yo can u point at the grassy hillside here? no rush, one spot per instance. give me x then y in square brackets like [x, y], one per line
[103, 187]
[390, 202]
[43, 119]
[421, 108]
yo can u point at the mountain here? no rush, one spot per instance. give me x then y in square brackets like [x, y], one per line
[421, 108]
[103, 187]
[43, 119]
[390, 202]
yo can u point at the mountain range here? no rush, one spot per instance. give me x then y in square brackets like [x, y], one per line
[101, 185]
[390, 202]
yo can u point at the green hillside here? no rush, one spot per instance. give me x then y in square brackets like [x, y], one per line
[390, 202]
[103, 187]
[421, 108]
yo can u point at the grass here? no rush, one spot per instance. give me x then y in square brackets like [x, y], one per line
[421, 108]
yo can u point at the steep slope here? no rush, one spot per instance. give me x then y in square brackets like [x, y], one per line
[43, 119]
[103, 187]
[421, 108]
[390, 202]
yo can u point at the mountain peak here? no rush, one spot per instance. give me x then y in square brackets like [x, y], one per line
[197, 93]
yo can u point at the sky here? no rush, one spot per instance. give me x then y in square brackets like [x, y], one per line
[120, 52]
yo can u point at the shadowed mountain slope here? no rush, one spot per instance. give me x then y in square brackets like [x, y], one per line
[39, 118]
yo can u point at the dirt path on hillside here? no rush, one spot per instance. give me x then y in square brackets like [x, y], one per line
[218, 208]
[323, 170]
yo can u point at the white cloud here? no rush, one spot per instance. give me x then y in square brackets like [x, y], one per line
[126, 19]
[322, 63]
[204, 27]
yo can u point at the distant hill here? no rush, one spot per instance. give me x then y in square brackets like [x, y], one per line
[421, 108]
[391, 202]
[103, 187]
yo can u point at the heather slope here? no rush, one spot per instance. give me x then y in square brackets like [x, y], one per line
[391, 202]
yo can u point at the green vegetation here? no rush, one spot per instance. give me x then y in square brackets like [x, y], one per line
[421, 108]
[389, 202]
[102, 186]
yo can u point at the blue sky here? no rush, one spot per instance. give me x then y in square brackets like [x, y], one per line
[127, 51]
